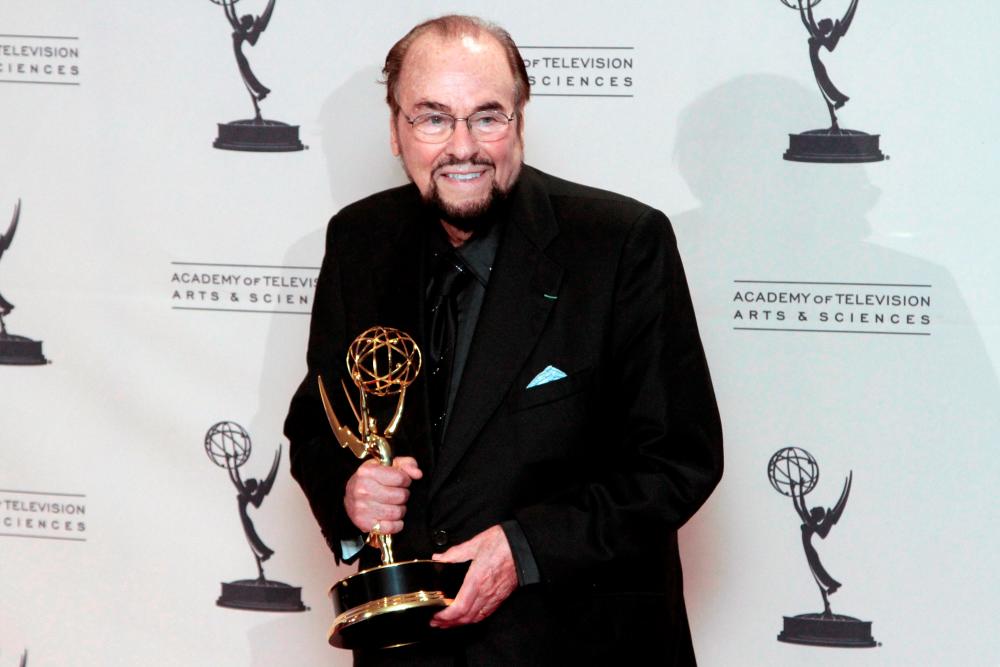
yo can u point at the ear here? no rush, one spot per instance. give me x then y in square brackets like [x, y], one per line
[394, 134]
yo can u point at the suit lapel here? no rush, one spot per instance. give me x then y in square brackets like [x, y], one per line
[513, 315]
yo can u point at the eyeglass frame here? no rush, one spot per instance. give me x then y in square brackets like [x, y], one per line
[454, 124]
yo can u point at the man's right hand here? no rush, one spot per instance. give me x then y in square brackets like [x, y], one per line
[379, 493]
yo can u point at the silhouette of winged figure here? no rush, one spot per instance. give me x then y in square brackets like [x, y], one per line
[819, 521]
[246, 28]
[826, 34]
[253, 492]
[7, 306]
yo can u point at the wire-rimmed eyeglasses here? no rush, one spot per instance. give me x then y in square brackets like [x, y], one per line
[436, 127]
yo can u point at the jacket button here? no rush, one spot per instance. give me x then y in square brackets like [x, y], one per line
[440, 538]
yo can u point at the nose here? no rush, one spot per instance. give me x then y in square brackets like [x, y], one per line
[462, 144]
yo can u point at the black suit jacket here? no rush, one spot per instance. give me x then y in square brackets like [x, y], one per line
[599, 468]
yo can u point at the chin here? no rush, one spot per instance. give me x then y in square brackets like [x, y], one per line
[467, 215]
[465, 210]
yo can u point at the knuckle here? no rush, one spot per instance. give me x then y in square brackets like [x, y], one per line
[390, 477]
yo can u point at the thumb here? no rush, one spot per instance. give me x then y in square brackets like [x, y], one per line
[408, 464]
[457, 554]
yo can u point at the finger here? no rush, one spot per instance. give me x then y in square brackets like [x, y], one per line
[384, 475]
[363, 514]
[386, 526]
[382, 512]
[453, 616]
[362, 495]
[470, 605]
[376, 494]
[372, 491]
[392, 512]
[366, 523]
[459, 611]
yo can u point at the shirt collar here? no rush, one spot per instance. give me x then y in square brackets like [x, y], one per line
[479, 252]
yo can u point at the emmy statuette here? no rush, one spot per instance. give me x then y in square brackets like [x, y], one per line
[256, 134]
[391, 604]
[834, 144]
[228, 446]
[793, 472]
[16, 350]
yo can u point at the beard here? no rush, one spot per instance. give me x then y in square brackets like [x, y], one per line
[469, 216]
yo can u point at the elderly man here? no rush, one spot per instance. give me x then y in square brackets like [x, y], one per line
[565, 425]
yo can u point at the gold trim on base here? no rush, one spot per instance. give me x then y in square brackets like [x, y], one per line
[388, 605]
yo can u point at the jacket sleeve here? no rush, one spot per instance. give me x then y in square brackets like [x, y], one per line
[317, 461]
[665, 456]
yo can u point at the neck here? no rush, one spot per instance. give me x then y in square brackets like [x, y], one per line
[456, 237]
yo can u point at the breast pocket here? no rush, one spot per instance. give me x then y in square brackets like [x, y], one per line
[550, 391]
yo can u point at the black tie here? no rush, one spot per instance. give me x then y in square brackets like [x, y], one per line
[449, 279]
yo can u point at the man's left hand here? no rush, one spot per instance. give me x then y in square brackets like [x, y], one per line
[491, 578]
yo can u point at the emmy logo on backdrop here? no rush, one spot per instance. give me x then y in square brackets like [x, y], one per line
[388, 605]
[834, 144]
[15, 350]
[228, 446]
[254, 134]
[793, 473]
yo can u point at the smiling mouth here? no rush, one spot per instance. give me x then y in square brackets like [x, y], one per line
[463, 172]
[465, 177]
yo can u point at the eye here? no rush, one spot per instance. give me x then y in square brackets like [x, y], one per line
[433, 121]
[488, 120]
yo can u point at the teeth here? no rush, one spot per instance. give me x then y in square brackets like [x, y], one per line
[463, 177]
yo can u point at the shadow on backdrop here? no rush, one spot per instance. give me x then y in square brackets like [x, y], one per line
[354, 121]
[896, 405]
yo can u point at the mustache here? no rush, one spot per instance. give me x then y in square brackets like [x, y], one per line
[451, 161]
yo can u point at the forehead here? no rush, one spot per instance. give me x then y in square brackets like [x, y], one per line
[460, 73]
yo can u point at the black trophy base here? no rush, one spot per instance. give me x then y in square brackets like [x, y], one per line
[827, 630]
[21, 351]
[261, 595]
[392, 605]
[833, 146]
[258, 135]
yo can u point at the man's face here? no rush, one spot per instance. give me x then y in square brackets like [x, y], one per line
[458, 76]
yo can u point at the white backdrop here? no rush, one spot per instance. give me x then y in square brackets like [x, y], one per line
[123, 197]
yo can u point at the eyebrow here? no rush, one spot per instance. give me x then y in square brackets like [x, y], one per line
[444, 108]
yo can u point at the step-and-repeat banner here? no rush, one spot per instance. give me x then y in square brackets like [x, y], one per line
[167, 172]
